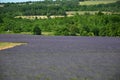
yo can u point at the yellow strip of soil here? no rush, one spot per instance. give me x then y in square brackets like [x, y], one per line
[6, 45]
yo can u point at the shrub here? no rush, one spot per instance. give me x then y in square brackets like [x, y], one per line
[36, 30]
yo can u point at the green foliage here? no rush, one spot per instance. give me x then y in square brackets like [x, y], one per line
[99, 24]
[82, 25]
[17, 30]
[113, 29]
[53, 8]
[36, 30]
[100, 13]
[1, 21]
[95, 31]
[68, 30]
[73, 30]
[62, 30]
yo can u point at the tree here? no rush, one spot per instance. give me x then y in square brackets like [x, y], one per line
[73, 30]
[17, 29]
[100, 13]
[62, 30]
[1, 21]
[36, 30]
[96, 30]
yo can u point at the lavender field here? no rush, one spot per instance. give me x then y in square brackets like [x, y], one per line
[60, 58]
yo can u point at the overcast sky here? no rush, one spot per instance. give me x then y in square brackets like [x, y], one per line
[17, 0]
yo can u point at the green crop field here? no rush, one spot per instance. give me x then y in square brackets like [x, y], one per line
[97, 2]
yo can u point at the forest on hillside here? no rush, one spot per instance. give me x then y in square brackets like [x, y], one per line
[53, 8]
[99, 24]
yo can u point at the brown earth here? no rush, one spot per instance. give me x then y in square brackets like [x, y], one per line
[5, 45]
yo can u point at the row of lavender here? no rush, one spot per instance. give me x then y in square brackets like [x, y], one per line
[60, 58]
[65, 43]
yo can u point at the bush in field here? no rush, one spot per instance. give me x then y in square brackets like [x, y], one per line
[62, 30]
[73, 30]
[100, 13]
[17, 30]
[113, 29]
[36, 30]
[1, 21]
[68, 30]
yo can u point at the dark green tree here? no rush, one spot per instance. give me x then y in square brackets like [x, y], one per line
[62, 30]
[36, 30]
[1, 21]
[73, 30]
[100, 13]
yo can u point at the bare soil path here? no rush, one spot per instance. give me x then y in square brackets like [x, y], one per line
[6, 45]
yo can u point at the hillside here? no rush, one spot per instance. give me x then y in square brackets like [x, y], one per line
[97, 2]
[55, 8]
[67, 18]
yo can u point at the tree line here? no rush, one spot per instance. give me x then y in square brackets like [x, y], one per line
[49, 7]
[78, 25]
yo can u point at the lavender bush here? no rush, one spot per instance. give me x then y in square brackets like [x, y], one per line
[60, 58]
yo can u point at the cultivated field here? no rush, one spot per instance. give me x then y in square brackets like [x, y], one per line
[96, 2]
[60, 58]
[37, 17]
[89, 12]
[69, 14]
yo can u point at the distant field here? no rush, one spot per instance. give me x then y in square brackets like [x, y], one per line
[97, 2]
[31, 17]
[69, 14]
[1, 5]
[30, 33]
[47, 33]
[38, 17]
[90, 12]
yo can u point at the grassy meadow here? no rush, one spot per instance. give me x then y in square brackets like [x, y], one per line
[97, 2]
[90, 12]
[38, 17]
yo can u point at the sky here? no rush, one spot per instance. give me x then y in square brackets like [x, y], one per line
[5, 1]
